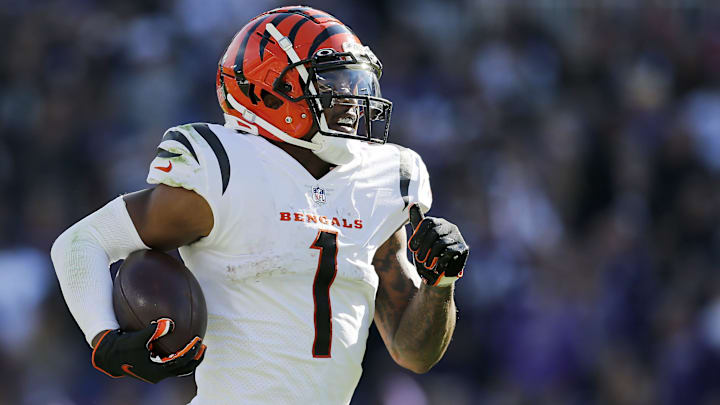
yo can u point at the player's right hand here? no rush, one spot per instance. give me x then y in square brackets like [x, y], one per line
[119, 353]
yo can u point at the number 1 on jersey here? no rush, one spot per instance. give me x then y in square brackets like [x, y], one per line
[326, 242]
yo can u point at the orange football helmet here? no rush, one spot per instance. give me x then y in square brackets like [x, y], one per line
[287, 66]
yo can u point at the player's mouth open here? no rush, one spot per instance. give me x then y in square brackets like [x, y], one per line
[344, 123]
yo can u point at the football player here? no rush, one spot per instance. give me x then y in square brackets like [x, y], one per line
[291, 215]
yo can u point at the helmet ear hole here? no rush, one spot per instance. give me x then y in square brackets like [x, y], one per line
[270, 100]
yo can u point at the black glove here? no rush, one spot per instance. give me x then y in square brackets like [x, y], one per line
[438, 248]
[119, 353]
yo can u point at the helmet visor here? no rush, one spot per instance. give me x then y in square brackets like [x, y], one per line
[352, 103]
[352, 81]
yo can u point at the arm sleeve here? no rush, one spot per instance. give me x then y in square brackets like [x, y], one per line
[82, 256]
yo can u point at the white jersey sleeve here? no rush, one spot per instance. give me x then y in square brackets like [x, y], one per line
[396, 178]
[414, 181]
[192, 157]
[177, 164]
[419, 189]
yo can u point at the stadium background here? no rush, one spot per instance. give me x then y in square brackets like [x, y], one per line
[576, 144]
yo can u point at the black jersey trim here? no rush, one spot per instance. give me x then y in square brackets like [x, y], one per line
[405, 172]
[219, 150]
[180, 137]
[166, 154]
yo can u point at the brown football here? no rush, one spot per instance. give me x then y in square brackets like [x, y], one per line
[150, 285]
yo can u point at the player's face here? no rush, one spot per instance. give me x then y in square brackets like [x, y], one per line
[345, 114]
[341, 117]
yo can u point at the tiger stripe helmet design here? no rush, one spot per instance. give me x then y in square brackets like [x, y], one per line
[287, 65]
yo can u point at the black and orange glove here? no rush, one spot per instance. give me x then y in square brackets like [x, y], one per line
[439, 250]
[119, 353]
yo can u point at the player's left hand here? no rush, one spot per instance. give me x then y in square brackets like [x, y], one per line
[439, 250]
[120, 353]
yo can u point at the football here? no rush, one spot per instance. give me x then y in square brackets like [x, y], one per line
[150, 285]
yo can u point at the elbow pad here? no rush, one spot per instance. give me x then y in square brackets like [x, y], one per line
[82, 256]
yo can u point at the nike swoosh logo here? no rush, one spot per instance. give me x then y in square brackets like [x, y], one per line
[127, 369]
[165, 169]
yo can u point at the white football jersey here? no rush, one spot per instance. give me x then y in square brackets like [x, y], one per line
[287, 269]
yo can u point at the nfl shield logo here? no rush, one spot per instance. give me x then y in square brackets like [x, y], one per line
[318, 195]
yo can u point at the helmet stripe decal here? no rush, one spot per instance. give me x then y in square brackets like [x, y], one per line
[266, 36]
[219, 150]
[318, 14]
[325, 34]
[304, 11]
[300, 12]
[295, 29]
[241, 50]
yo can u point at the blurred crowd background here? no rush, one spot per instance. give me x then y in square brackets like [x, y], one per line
[575, 143]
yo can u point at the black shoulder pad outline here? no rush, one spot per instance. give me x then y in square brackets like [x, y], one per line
[219, 150]
[405, 167]
[179, 137]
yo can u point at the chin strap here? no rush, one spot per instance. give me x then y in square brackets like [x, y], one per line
[287, 46]
[234, 122]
